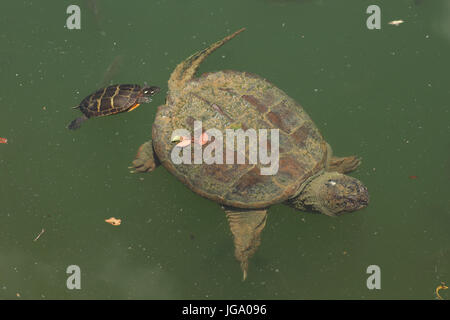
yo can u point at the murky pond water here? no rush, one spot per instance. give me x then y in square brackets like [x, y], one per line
[380, 94]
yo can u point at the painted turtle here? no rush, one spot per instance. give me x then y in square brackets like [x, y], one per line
[111, 100]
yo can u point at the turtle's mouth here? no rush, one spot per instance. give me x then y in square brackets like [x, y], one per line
[359, 199]
[363, 194]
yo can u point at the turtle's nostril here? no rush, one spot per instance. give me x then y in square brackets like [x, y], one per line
[364, 196]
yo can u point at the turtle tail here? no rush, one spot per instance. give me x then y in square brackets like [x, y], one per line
[185, 71]
[76, 124]
[246, 226]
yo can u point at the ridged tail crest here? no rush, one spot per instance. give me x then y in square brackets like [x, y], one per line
[246, 226]
[186, 70]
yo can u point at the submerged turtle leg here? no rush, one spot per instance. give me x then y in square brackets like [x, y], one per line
[146, 159]
[75, 124]
[185, 71]
[246, 226]
[341, 165]
[344, 164]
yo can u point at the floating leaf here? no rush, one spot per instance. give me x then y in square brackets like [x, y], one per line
[396, 22]
[114, 221]
[203, 138]
[442, 286]
[185, 141]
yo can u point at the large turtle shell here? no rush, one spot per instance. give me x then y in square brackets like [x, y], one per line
[224, 100]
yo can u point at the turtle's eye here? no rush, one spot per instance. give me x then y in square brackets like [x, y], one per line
[151, 90]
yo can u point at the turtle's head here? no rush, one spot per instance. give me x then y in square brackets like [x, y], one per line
[150, 91]
[332, 193]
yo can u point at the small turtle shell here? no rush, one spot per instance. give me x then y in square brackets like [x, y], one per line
[111, 100]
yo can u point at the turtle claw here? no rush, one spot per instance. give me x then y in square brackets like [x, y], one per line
[146, 160]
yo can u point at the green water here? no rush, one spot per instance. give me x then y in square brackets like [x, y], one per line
[380, 94]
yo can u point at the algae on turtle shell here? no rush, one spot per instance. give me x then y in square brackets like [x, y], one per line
[309, 177]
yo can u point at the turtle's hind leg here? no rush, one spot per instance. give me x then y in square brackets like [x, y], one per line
[246, 226]
[344, 164]
[76, 124]
[146, 159]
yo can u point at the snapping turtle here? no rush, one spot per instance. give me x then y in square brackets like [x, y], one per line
[308, 178]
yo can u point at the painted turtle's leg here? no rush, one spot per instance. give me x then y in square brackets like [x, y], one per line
[246, 226]
[76, 124]
[134, 107]
[146, 159]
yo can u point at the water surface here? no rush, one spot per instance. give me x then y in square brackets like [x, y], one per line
[380, 94]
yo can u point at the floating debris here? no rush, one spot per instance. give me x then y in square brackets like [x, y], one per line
[413, 177]
[39, 235]
[3, 140]
[184, 141]
[396, 22]
[203, 138]
[442, 286]
[113, 221]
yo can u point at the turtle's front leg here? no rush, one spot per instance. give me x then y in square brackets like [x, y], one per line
[341, 165]
[146, 158]
[344, 164]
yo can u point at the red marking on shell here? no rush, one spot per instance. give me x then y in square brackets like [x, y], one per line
[290, 169]
[301, 134]
[282, 117]
[255, 102]
[253, 177]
